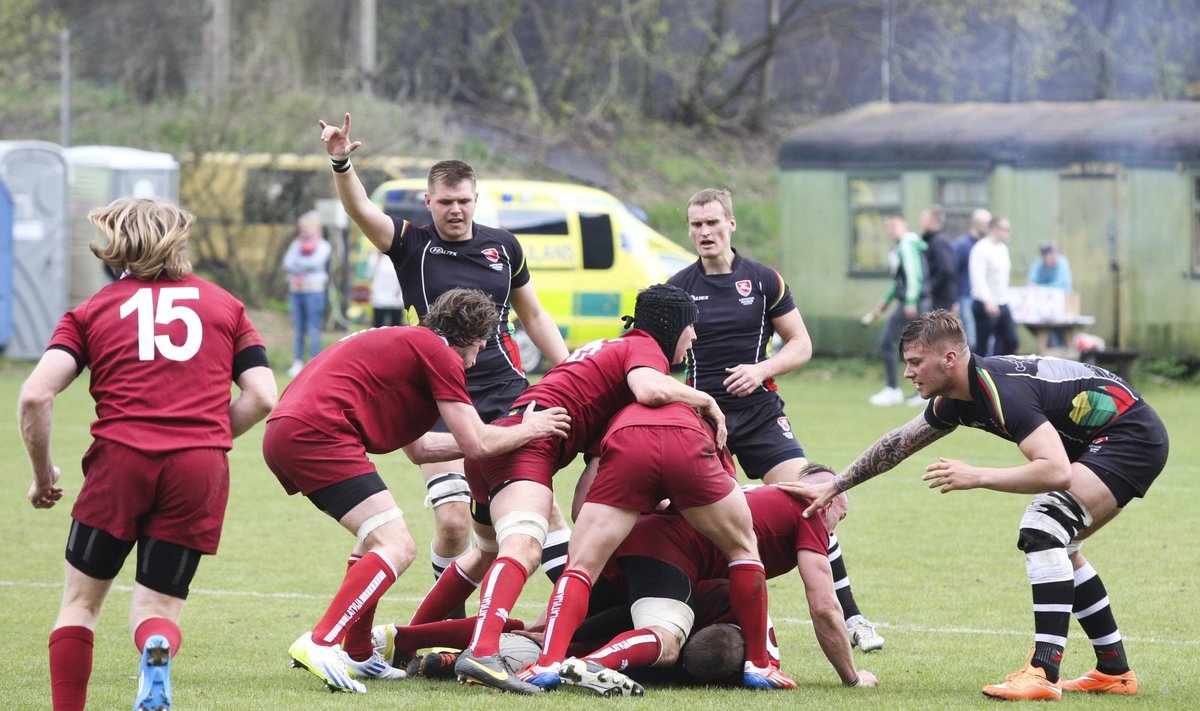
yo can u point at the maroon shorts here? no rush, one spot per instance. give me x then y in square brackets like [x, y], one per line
[178, 496]
[642, 465]
[305, 459]
[537, 461]
[672, 540]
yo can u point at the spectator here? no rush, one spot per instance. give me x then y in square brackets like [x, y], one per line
[909, 267]
[962, 256]
[1051, 271]
[306, 263]
[943, 273]
[387, 303]
[995, 330]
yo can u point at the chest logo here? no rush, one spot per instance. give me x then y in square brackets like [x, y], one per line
[743, 287]
[491, 254]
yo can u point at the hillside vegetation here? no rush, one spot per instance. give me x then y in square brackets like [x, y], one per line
[652, 165]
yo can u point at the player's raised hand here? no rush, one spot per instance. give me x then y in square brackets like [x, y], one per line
[337, 140]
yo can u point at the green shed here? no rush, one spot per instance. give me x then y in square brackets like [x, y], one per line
[1115, 183]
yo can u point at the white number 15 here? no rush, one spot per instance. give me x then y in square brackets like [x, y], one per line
[143, 303]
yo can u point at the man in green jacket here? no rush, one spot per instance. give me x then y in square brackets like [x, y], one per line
[909, 269]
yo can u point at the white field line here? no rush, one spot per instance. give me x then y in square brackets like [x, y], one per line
[923, 629]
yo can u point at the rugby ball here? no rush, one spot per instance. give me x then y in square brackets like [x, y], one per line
[518, 651]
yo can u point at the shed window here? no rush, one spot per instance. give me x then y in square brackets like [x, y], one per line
[1196, 226]
[871, 201]
[960, 196]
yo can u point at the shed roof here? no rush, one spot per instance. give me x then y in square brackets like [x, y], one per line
[977, 134]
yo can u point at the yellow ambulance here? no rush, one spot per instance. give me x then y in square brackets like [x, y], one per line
[588, 254]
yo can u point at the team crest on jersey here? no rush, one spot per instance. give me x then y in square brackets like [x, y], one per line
[743, 287]
[491, 253]
[786, 426]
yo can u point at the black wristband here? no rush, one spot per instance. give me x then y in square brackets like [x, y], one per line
[340, 165]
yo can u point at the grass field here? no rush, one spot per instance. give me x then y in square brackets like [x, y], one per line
[940, 574]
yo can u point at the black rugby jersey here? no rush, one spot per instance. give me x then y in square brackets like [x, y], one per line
[491, 261]
[734, 324]
[1011, 396]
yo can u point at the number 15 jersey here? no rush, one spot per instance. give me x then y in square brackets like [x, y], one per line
[161, 355]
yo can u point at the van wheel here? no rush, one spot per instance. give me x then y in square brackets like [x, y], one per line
[531, 357]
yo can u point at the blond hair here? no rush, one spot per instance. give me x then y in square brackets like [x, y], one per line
[720, 196]
[146, 237]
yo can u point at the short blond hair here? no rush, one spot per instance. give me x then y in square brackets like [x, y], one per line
[718, 195]
[146, 237]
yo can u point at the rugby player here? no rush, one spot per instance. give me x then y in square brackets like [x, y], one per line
[513, 493]
[1092, 445]
[162, 346]
[455, 251]
[373, 392]
[742, 305]
[648, 455]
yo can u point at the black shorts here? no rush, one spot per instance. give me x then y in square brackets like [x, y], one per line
[492, 399]
[1130, 454]
[761, 436]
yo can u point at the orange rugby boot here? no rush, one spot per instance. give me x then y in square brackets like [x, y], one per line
[1097, 682]
[1027, 683]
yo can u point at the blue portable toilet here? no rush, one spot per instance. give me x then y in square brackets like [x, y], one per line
[6, 281]
[36, 175]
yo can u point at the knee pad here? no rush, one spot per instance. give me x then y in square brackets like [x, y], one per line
[167, 568]
[441, 562]
[1052, 521]
[376, 521]
[487, 545]
[525, 523]
[446, 489]
[1048, 566]
[665, 612]
[96, 553]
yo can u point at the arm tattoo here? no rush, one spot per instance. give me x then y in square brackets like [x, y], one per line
[888, 451]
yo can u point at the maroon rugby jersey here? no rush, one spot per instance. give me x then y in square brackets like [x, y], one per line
[779, 525]
[379, 386]
[591, 383]
[161, 356]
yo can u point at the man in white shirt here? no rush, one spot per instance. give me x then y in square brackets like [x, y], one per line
[990, 266]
